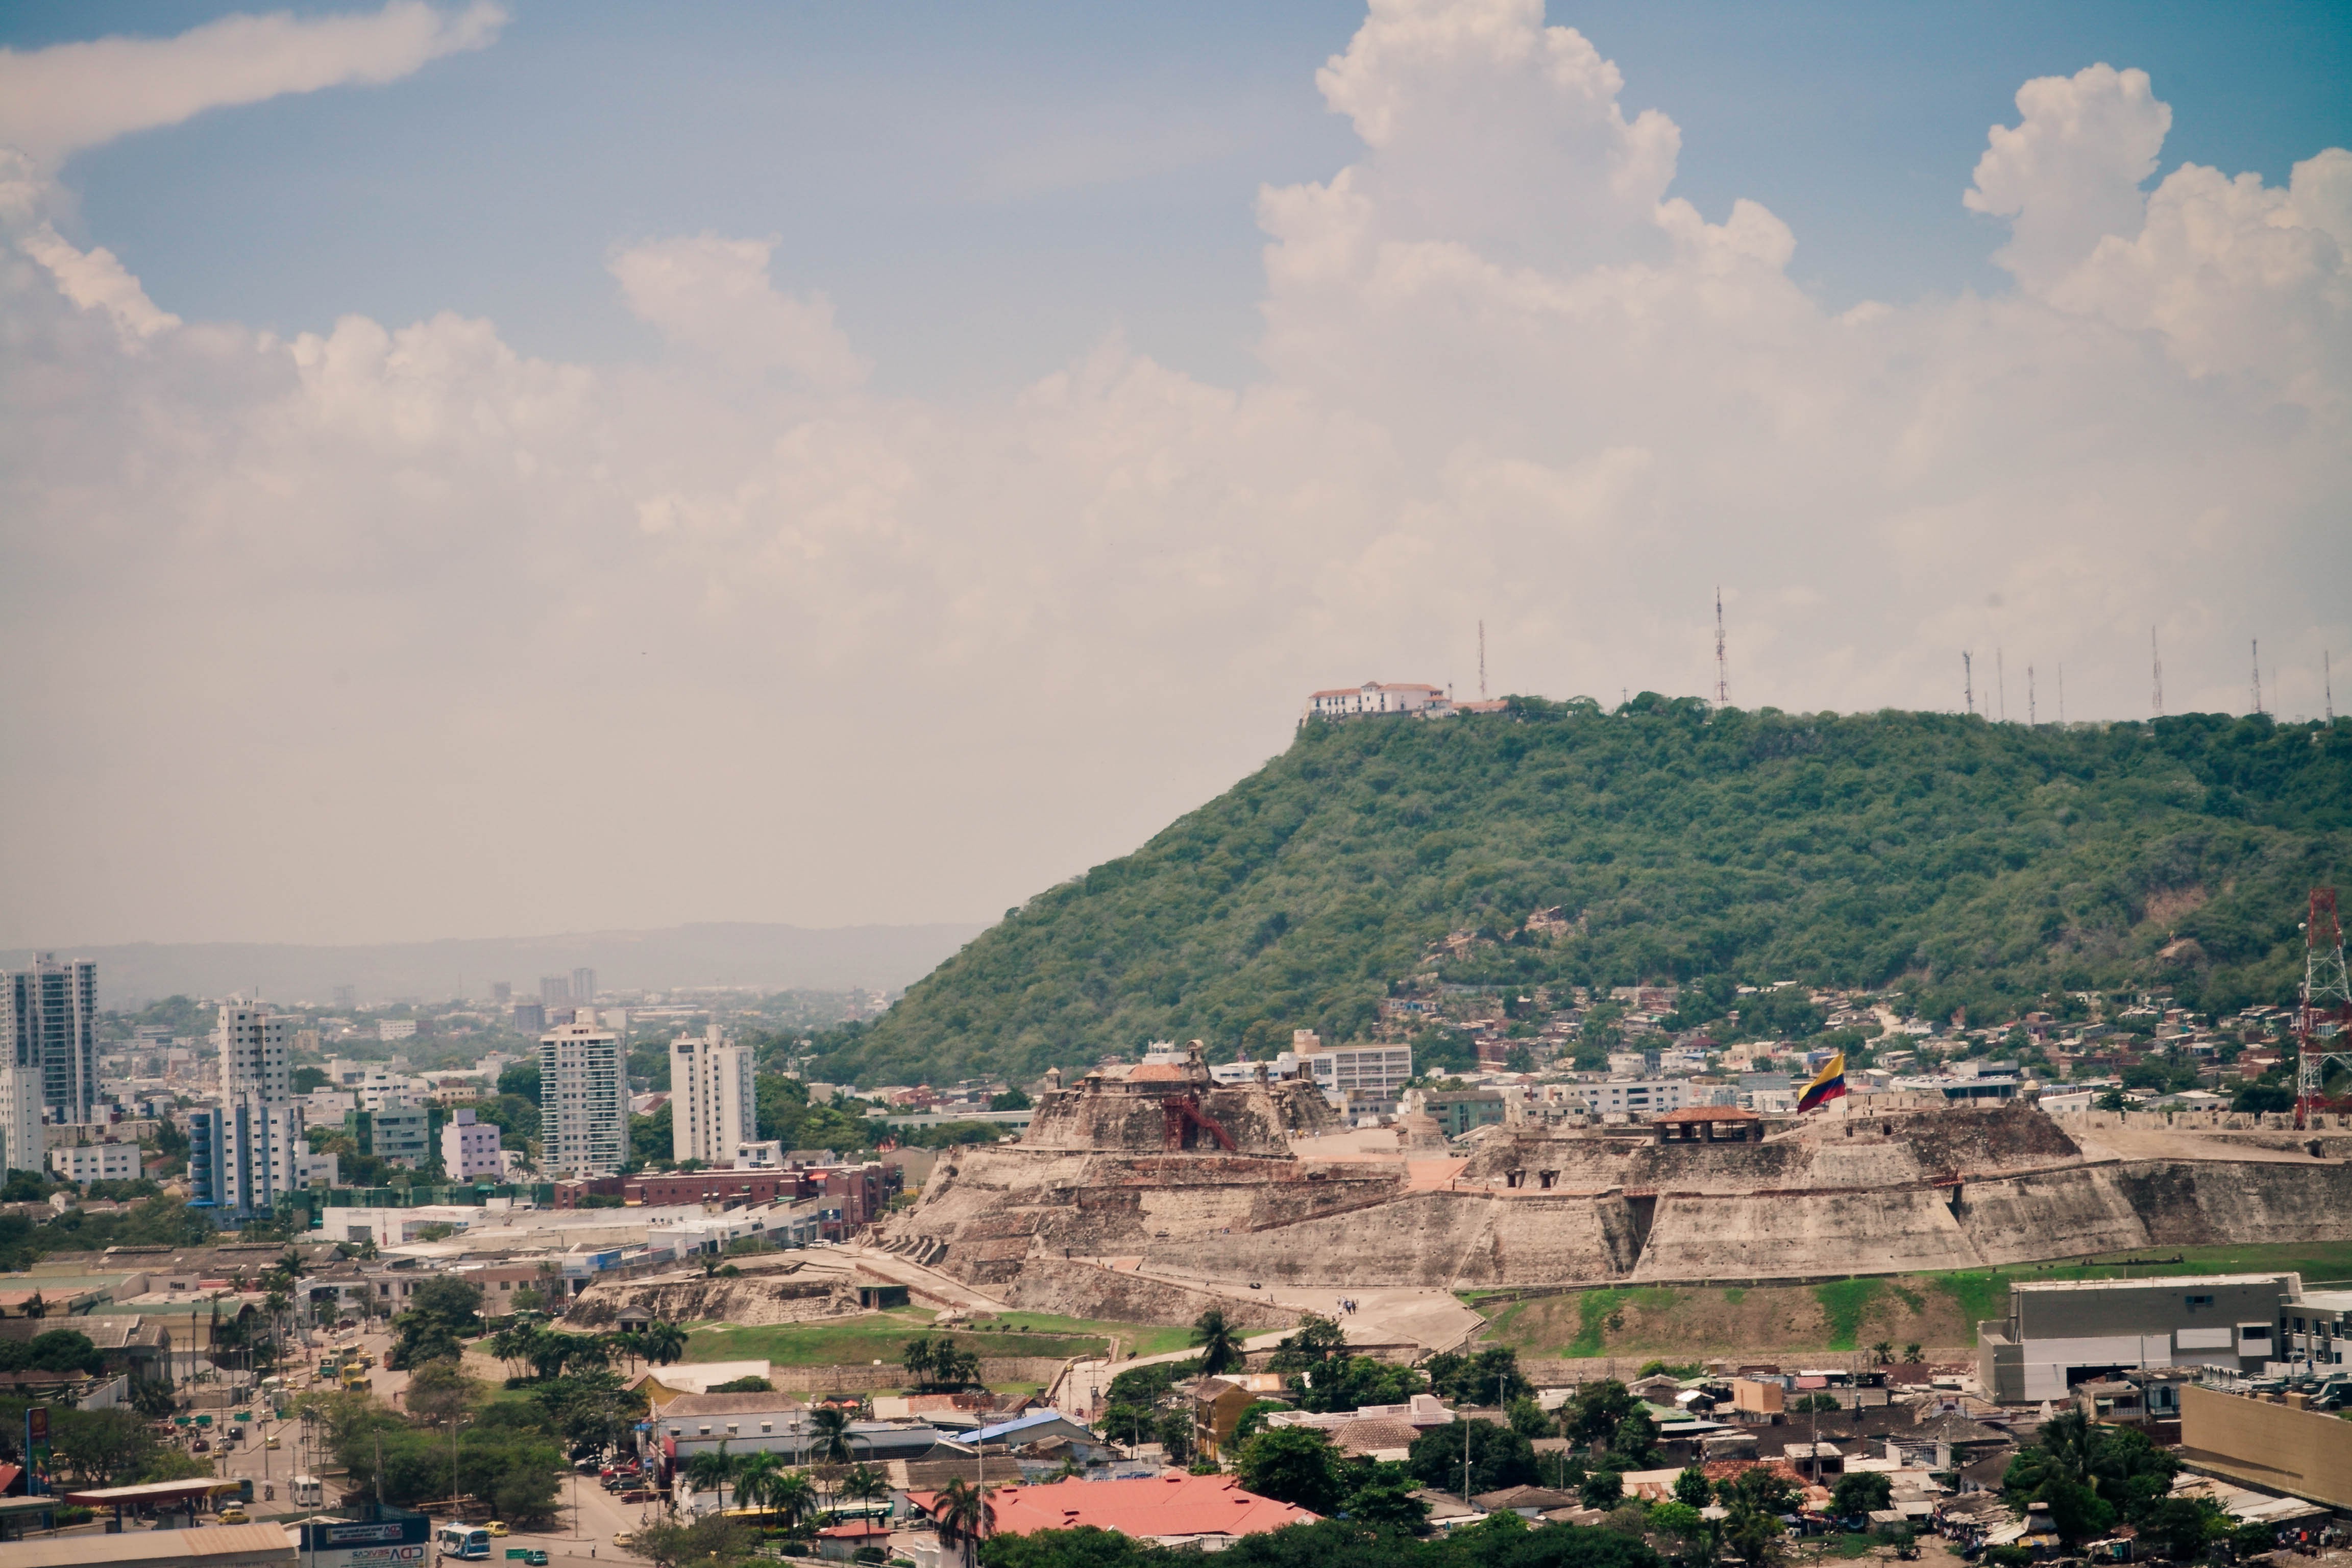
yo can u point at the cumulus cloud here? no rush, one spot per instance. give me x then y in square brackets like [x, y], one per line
[2069, 172]
[728, 634]
[56, 100]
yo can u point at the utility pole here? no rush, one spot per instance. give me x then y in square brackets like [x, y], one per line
[1722, 670]
[2156, 663]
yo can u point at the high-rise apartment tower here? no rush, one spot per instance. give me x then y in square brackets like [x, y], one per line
[582, 1124]
[712, 1108]
[48, 1021]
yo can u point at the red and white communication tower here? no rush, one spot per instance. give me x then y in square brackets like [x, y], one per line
[2327, 1008]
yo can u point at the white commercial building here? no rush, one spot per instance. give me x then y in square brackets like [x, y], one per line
[582, 1130]
[469, 1149]
[712, 1109]
[395, 1029]
[1635, 1097]
[82, 1163]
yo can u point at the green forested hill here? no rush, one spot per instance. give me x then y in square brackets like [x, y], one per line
[1970, 862]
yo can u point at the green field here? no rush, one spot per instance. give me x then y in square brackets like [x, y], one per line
[883, 1337]
[1939, 1311]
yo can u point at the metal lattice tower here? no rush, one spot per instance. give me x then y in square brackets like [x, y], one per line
[1482, 660]
[2258, 674]
[1968, 682]
[2032, 714]
[2155, 663]
[2326, 1002]
[2327, 684]
[1722, 670]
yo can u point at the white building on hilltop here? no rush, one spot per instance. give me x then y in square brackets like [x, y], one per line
[712, 1110]
[1379, 697]
[581, 1127]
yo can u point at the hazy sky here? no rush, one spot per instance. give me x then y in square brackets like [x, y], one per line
[498, 468]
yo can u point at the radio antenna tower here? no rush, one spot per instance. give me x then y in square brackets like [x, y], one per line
[1482, 659]
[1722, 670]
[2000, 678]
[2258, 674]
[2157, 660]
[2031, 720]
[2062, 696]
[2327, 685]
[2326, 1003]
[1968, 682]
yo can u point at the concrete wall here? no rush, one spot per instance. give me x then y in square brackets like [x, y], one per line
[2301, 1452]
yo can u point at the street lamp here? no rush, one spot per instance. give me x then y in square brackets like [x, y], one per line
[455, 1423]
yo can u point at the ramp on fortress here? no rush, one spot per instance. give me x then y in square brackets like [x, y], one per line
[1121, 1180]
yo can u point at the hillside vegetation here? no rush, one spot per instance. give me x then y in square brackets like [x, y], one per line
[1968, 863]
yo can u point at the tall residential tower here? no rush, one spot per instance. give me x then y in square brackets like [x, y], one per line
[582, 1124]
[48, 1023]
[712, 1106]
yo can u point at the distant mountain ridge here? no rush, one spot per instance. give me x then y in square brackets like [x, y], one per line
[776, 957]
[1981, 865]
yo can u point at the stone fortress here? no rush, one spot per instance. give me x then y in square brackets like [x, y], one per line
[1155, 1170]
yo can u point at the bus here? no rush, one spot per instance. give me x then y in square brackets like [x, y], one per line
[464, 1540]
[306, 1491]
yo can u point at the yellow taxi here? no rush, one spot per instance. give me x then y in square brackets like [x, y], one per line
[270, 1441]
[496, 1527]
[232, 1515]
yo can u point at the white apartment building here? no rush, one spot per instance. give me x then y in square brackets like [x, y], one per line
[262, 1147]
[469, 1149]
[395, 1029]
[82, 1163]
[22, 1140]
[712, 1108]
[255, 1052]
[1635, 1097]
[1368, 1077]
[581, 1128]
[1376, 697]
[48, 1021]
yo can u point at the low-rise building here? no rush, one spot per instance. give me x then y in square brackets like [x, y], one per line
[1635, 1097]
[469, 1148]
[2059, 1333]
[82, 1163]
[399, 1134]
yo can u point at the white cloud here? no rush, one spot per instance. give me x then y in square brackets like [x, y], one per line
[2071, 171]
[730, 634]
[56, 100]
[712, 296]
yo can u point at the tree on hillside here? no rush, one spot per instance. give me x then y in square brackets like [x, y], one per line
[1295, 1465]
[663, 1342]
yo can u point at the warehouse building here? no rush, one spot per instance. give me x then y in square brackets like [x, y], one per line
[2062, 1332]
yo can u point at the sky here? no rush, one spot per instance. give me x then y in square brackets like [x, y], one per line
[492, 469]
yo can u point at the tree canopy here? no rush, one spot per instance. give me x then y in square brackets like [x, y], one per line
[1975, 863]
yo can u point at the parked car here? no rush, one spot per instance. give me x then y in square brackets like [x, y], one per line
[535, 1557]
[232, 1515]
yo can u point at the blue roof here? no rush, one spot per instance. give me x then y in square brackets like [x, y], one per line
[1020, 1424]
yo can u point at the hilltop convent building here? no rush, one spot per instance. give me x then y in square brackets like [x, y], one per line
[1379, 697]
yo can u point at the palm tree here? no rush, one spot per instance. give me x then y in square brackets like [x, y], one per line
[756, 1477]
[1882, 1353]
[918, 1360]
[829, 1436]
[863, 1483]
[1220, 1347]
[664, 1342]
[712, 1472]
[1911, 1352]
[960, 1512]
[630, 1345]
[793, 1497]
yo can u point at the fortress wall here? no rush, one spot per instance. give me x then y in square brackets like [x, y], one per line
[1539, 1240]
[1905, 1229]
[1415, 1241]
[2055, 1214]
[1107, 1295]
[2190, 1205]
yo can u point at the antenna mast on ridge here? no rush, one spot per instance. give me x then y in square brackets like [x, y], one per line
[2327, 685]
[2156, 663]
[2032, 721]
[1722, 670]
[2000, 678]
[1482, 659]
[2258, 674]
[1968, 682]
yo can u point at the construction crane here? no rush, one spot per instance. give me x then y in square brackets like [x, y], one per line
[2327, 1010]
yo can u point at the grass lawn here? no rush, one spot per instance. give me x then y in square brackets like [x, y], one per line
[883, 1337]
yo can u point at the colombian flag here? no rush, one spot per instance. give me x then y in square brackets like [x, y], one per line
[1828, 1084]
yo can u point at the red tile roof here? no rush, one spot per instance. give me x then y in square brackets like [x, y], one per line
[1174, 1504]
